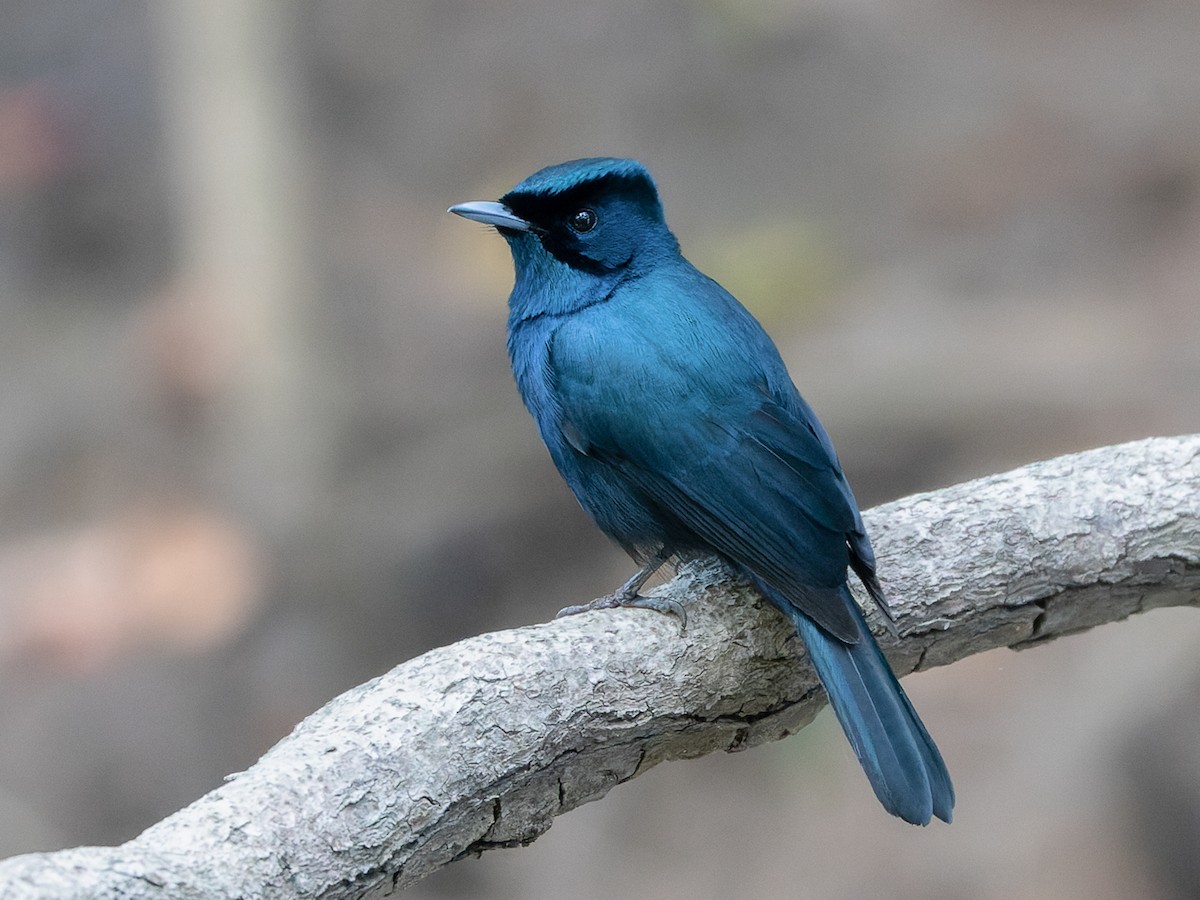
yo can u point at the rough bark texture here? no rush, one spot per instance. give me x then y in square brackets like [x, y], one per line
[479, 745]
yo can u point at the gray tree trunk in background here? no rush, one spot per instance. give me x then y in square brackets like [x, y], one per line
[240, 181]
[480, 744]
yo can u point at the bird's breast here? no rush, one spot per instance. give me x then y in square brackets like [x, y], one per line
[528, 352]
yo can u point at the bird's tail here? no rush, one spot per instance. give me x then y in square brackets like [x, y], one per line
[900, 759]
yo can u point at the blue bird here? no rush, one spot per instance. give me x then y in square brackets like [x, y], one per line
[670, 414]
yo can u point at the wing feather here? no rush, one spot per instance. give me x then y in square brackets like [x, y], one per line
[751, 498]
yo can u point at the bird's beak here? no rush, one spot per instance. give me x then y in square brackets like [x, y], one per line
[491, 214]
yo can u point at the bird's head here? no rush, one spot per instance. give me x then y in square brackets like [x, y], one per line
[589, 217]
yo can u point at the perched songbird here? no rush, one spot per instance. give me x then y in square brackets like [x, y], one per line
[668, 411]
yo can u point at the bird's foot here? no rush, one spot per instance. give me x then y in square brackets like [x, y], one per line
[630, 600]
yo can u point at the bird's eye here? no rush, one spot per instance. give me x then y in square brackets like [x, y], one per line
[583, 220]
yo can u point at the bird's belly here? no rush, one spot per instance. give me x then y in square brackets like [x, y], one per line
[620, 510]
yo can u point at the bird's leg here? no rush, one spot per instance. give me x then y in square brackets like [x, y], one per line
[627, 595]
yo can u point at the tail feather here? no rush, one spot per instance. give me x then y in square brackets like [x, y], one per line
[891, 743]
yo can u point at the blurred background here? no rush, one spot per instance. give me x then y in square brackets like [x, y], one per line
[260, 440]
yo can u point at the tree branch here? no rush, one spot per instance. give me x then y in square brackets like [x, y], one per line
[480, 744]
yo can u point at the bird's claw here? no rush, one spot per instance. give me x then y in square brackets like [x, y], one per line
[662, 605]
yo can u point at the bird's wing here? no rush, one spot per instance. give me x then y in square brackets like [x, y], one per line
[862, 554]
[755, 484]
[761, 496]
